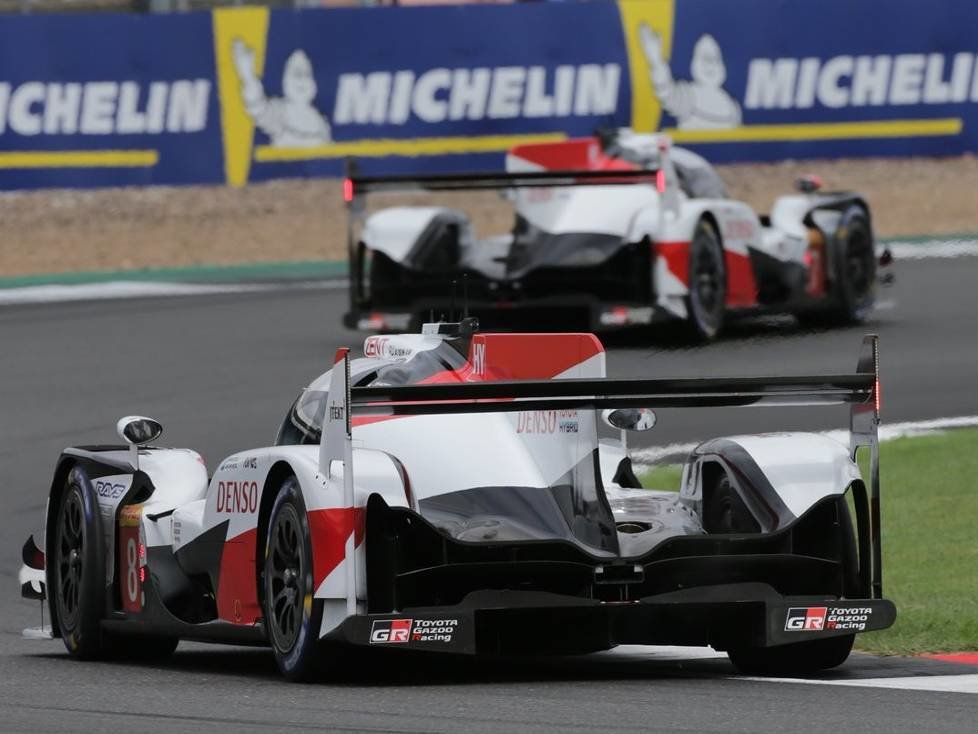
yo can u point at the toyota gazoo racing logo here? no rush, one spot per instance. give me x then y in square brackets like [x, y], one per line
[802, 619]
[387, 631]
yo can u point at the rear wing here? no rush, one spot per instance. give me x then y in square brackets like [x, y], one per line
[356, 188]
[860, 390]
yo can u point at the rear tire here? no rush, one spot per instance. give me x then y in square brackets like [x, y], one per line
[793, 659]
[77, 576]
[292, 615]
[707, 283]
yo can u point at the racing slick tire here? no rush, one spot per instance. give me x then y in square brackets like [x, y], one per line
[853, 282]
[291, 614]
[792, 659]
[706, 301]
[77, 575]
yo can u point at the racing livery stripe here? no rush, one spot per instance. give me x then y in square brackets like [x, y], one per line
[237, 591]
[329, 530]
[515, 357]
[577, 154]
[741, 286]
[676, 257]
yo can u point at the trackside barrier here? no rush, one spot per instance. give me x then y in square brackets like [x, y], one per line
[251, 94]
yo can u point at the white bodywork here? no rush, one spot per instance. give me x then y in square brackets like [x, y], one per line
[406, 459]
[662, 214]
[803, 468]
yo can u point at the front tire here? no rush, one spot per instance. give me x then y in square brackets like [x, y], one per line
[707, 283]
[853, 283]
[77, 576]
[793, 659]
[292, 615]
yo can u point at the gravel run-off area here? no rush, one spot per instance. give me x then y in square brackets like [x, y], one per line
[111, 229]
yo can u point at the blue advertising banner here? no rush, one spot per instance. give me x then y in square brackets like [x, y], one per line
[389, 85]
[108, 101]
[249, 94]
[772, 79]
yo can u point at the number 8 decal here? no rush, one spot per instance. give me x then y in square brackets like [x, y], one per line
[132, 575]
[130, 578]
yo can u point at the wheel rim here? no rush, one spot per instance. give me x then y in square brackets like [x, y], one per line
[285, 578]
[859, 263]
[707, 278]
[71, 546]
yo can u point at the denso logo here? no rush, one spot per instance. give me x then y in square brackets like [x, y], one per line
[547, 421]
[237, 497]
[104, 107]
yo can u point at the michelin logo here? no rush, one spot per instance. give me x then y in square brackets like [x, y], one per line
[290, 121]
[859, 81]
[104, 107]
[697, 104]
[504, 92]
[433, 96]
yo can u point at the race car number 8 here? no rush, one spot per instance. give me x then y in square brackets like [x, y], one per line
[132, 575]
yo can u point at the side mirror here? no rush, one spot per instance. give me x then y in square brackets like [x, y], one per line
[137, 430]
[630, 419]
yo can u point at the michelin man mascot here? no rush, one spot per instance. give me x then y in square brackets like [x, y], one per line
[699, 104]
[291, 121]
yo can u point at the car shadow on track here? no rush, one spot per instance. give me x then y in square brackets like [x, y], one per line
[386, 668]
[365, 667]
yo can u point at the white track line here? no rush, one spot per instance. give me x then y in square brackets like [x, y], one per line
[653, 454]
[967, 683]
[935, 248]
[139, 289]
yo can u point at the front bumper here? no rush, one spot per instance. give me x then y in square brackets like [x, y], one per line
[512, 622]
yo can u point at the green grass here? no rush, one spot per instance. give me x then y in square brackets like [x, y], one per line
[929, 488]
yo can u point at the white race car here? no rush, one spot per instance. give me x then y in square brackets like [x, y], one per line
[449, 492]
[614, 231]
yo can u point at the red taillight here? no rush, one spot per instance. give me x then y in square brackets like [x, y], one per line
[347, 190]
[660, 181]
[876, 395]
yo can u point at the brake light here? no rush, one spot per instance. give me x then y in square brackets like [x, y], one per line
[876, 395]
[347, 190]
[660, 181]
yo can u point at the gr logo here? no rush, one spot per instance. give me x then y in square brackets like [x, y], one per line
[390, 630]
[801, 619]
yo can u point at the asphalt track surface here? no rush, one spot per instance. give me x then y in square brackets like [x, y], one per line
[220, 371]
